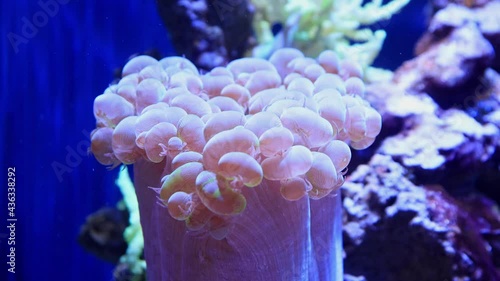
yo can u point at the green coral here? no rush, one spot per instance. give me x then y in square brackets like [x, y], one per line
[133, 233]
[316, 25]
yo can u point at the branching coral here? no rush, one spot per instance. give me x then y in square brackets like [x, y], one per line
[347, 27]
[221, 148]
[133, 233]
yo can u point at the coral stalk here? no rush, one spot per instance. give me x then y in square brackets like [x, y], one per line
[274, 239]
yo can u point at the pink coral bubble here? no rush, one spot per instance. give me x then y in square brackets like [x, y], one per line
[294, 189]
[191, 81]
[282, 57]
[192, 104]
[241, 167]
[356, 122]
[154, 71]
[131, 79]
[136, 64]
[213, 85]
[261, 80]
[294, 162]
[216, 80]
[158, 134]
[261, 99]
[242, 78]
[322, 174]
[238, 139]
[226, 104]
[301, 100]
[150, 118]
[355, 86]
[261, 122]
[186, 157]
[317, 193]
[339, 153]
[303, 85]
[332, 108]
[172, 93]
[275, 141]
[123, 141]
[180, 205]
[373, 122]
[127, 92]
[313, 71]
[277, 107]
[329, 61]
[179, 63]
[111, 89]
[221, 71]
[290, 77]
[190, 130]
[238, 93]
[350, 68]
[102, 148]
[174, 146]
[249, 65]
[110, 109]
[160, 106]
[149, 91]
[307, 127]
[181, 179]
[223, 121]
[217, 195]
[200, 216]
[328, 94]
[362, 144]
[329, 81]
[299, 65]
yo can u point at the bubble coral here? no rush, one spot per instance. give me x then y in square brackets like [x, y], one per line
[237, 154]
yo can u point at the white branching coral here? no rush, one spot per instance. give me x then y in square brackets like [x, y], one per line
[349, 28]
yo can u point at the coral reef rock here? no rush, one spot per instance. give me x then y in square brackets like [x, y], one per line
[415, 232]
[458, 47]
[451, 141]
[212, 33]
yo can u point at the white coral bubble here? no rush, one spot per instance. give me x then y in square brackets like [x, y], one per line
[241, 167]
[294, 189]
[180, 205]
[308, 127]
[294, 162]
[238, 139]
[275, 140]
[339, 153]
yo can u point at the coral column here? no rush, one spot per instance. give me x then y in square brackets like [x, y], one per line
[274, 239]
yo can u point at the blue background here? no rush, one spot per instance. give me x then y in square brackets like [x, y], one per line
[47, 92]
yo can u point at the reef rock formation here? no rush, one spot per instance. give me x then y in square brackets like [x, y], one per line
[453, 54]
[419, 205]
[415, 232]
[208, 33]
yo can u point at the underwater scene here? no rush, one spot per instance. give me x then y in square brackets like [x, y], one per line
[250, 140]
